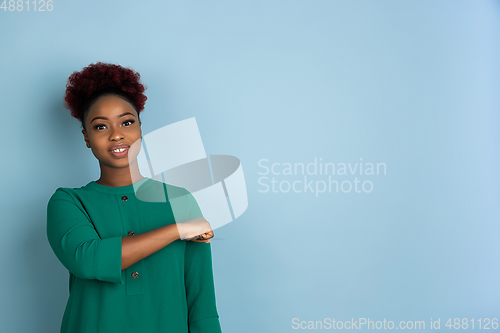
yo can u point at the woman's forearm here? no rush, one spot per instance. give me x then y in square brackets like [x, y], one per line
[138, 247]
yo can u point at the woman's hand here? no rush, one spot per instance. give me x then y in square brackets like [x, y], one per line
[197, 229]
[205, 238]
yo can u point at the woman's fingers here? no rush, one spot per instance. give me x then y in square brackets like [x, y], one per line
[208, 235]
[203, 237]
[200, 240]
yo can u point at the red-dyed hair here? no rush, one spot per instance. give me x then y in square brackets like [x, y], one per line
[84, 87]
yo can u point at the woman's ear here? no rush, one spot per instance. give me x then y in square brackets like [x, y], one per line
[86, 138]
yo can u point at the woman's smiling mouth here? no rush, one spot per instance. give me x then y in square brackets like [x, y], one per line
[119, 151]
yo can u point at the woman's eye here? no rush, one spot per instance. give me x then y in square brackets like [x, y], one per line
[127, 123]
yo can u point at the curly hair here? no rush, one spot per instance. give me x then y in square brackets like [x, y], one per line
[84, 87]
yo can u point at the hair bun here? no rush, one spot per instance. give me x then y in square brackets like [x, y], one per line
[87, 84]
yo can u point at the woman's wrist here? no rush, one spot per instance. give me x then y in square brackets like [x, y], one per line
[174, 229]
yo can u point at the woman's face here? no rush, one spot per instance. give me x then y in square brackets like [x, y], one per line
[113, 121]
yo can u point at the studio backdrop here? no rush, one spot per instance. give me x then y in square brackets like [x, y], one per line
[366, 135]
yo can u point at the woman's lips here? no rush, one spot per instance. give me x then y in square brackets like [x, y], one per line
[120, 154]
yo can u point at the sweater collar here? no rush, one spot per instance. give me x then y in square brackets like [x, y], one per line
[129, 189]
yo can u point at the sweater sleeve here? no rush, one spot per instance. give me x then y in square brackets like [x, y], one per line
[77, 245]
[200, 289]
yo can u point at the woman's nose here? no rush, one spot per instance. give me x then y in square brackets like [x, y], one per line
[116, 133]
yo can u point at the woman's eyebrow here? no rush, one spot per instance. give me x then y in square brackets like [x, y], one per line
[105, 118]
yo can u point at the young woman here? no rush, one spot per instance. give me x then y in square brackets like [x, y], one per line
[132, 268]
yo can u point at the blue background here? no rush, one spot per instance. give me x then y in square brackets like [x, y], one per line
[412, 84]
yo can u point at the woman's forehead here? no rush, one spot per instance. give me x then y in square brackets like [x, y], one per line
[112, 105]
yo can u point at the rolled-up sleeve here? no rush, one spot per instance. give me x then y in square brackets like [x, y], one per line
[76, 243]
[200, 289]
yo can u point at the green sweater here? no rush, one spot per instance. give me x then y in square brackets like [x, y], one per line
[172, 290]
